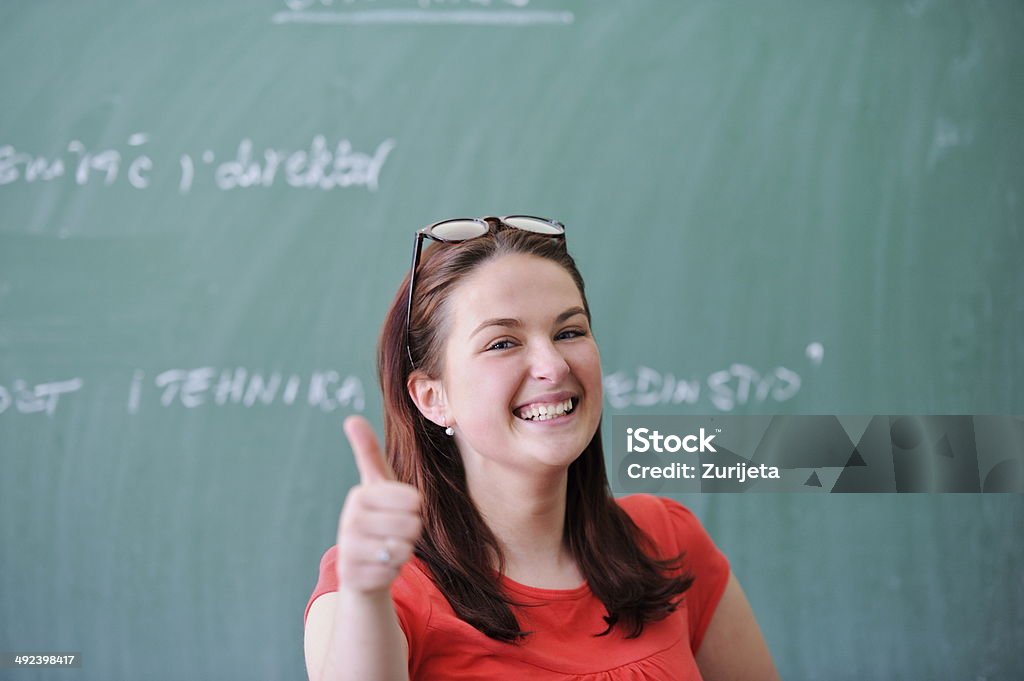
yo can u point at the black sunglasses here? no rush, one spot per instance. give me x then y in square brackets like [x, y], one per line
[463, 229]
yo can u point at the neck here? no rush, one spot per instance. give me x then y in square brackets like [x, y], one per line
[528, 519]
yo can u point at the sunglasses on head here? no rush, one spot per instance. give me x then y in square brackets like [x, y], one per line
[457, 230]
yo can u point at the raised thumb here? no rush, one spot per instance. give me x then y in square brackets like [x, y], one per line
[366, 448]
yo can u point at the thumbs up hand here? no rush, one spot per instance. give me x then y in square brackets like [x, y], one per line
[380, 521]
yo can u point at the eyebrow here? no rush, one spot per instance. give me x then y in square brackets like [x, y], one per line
[515, 323]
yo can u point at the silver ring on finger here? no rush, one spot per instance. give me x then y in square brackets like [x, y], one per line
[384, 556]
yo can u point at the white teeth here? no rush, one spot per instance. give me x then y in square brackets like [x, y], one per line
[544, 412]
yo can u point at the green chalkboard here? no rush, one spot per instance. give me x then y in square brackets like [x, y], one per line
[792, 207]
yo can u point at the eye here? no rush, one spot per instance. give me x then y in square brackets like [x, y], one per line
[571, 333]
[500, 345]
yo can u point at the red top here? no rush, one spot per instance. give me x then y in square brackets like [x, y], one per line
[564, 621]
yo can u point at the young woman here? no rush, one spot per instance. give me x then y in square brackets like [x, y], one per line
[484, 542]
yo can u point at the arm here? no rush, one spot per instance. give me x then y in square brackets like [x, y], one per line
[343, 626]
[353, 634]
[733, 648]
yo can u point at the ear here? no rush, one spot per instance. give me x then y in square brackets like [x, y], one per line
[428, 396]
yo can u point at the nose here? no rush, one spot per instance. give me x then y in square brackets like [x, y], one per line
[547, 363]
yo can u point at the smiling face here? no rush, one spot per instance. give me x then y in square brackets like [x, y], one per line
[519, 344]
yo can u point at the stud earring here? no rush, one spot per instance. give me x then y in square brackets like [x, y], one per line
[449, 431]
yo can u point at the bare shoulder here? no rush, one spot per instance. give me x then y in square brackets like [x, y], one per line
[733, 647]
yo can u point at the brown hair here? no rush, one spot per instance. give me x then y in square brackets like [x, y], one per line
[617, 559]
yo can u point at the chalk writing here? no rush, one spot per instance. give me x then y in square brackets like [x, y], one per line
[448, 12]
[327, 390]
[726, 389]
[41, 397]
[815, 352]
[81, 163]
[321, 166]
[299, 5]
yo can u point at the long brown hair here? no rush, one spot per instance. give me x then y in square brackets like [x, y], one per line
[616, 558]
